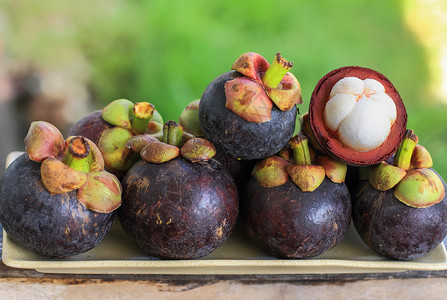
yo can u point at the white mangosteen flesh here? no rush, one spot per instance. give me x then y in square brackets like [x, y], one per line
[360, 113]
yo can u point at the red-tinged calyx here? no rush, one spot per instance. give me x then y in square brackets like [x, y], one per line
[189, 119]
[420, 188]
[158, 152]
[197, 150]
[252, 97]
[334, 170]
[271, 171]
[44, 140]
[251, 65]
[384, 176]
[248, 100]
[306, 176]
[101, 192]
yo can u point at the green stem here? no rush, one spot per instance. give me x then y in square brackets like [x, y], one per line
[141, 114]
[276, 72]
[78, 156]
[300, 147]
[402, 158]
[172, 133]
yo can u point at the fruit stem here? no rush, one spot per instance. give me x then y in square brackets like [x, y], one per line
[78, 156]
[276, 72]
[141, 114]
[403, 155]
[172, 133]
[300, 147]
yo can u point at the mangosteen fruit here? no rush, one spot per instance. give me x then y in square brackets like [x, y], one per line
[400, 210]
[111, 128]
[56, 199]
[250, 112]
[178, 202]
[357, 116]
[297, 209]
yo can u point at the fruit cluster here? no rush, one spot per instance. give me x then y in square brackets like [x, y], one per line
[179, 189]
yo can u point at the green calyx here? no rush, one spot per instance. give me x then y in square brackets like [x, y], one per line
[276, 71]
[71, 165]
[306, 176]
[414, 183]
[420, 188]
[175, 142]
[295, 162]
[172, 133]
[271, 172]
[403, 155]
[112, 144]
[125, 114]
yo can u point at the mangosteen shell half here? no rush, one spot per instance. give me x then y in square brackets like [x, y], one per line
[328, 141]
[51, 225]
[289, 223]
[394, 229]
[178, 209]
[233, 135]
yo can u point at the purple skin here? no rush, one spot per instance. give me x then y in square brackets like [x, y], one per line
[289, 223]
[239, 169]
[236, 137]
[395, 230]
[54, 226]
[91, 126]
[177, 209]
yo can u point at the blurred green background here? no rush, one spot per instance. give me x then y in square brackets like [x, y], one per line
[81, 55]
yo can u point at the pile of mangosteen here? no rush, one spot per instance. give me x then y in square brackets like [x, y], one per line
[235, 157]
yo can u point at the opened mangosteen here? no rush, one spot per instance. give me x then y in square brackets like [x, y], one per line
[56, 199]
[178, 202]
[111, 128]
[357, 116]
[400, 210]
[250, 112]
[296, 209]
